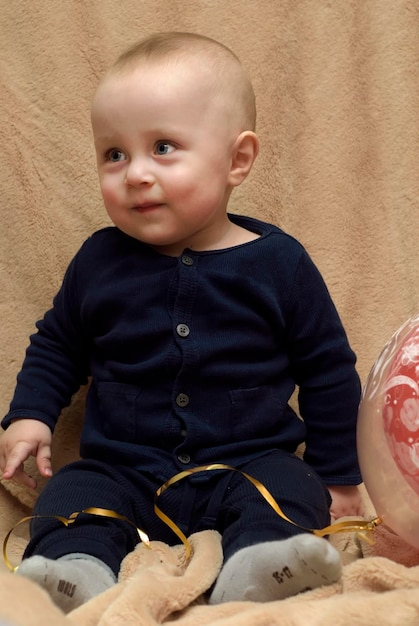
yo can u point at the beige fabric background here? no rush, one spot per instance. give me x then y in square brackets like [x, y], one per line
[337, 87]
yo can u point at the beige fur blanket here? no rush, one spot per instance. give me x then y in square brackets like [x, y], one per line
[337, 87]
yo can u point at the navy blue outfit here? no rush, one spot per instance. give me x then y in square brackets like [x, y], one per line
[192, 360]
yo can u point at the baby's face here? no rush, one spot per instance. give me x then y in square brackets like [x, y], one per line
[164, 139]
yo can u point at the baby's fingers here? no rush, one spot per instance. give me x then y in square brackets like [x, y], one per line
[20, 476]
[43, 460]
[14, 465]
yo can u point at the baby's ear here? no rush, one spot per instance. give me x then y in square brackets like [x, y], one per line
[243, 155]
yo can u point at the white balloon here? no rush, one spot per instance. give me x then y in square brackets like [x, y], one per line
[388, 433]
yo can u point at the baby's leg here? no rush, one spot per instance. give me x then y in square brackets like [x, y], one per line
[77, 562]
[266, 557]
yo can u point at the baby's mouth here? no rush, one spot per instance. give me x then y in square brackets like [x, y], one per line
[146, 207]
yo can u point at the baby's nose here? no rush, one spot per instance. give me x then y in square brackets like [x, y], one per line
[139, 172]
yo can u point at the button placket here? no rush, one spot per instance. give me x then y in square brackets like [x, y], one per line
[183, 305]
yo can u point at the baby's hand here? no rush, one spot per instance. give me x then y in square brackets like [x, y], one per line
[346, 501]
[23, 438]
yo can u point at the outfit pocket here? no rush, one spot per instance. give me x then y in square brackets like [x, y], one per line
[255, 412]
[118, 408]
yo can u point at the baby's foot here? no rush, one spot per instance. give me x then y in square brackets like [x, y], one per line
[71, 580]
[277, 569]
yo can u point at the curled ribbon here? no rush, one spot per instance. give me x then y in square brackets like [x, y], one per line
[67, 522]
[361, 526]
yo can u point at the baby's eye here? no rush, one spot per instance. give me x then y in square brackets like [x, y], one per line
[114, 155]
[163, 147]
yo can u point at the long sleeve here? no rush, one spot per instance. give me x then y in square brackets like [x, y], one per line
[323, 365]
[56, 361]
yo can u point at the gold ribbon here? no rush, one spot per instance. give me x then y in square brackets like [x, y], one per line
[346, 526]
[360, 526]
[67, 522]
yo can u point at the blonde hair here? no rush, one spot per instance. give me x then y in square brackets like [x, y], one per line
[229, 75]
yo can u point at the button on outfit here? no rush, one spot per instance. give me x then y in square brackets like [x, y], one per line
[187, 260]
[182, 399]
[182, 330]
[184, 458]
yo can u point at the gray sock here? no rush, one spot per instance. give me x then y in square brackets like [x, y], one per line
[277, 569]
[70, 580]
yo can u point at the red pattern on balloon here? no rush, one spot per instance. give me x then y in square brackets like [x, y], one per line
[401, 409]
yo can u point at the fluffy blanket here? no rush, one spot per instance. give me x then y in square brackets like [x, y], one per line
[337, 90]
[158, 585]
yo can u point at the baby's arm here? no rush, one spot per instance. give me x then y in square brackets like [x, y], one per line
[346, 501]
[23, 438]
